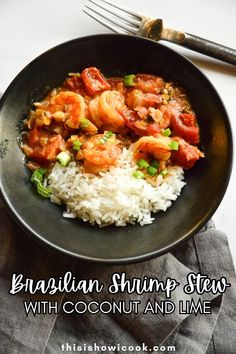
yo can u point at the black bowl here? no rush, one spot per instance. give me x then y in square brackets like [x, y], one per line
[206, 182]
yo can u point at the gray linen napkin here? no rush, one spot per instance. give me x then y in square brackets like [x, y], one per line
[207, 252]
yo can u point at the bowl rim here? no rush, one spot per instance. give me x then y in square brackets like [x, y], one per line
[150, 255]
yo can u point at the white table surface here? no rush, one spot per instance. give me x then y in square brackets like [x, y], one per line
[29, 27]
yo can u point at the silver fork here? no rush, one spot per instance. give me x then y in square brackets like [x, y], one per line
[125, 21]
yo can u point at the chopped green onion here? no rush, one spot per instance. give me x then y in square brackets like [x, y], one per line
[84, 123]
[129, 80]
[106, 136]
[41, 170]
[152, 171]
[138, 174]
[76, 145]
[142, 163]
[64, 158]
[37, 176]
[103, 140]
[37, 179]
[43, 191]
[164, 172]
[155, 164]
[74, 74]
[166, 132]
[174, 145]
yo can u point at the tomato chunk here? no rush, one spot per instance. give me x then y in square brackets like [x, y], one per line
[94, 81]
[185, 126]
[75, 84]
[117, 84]
[44, 146]
[187, 154]
[34, 136]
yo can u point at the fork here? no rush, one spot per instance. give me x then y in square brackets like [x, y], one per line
[125, 21]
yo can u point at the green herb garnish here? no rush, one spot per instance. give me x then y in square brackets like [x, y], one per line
[37, 179]
[84, 123]
[76, 145]
[38, 175]
[129, 80]
[174, 145]
[142, 163]
[164, 172]
[43, 191]
[106, 136]
[155, 164]
[138, 174]
[74, 74]
[166, 132]
[152, 171]
[64, 158]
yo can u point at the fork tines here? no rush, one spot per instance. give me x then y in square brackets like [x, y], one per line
[115, 17]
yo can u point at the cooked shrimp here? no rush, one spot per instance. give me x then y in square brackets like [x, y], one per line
[94, 110]
[105, 111]
[147, 107]
[69, 107]
[39, 118]
[99, 155]
[149, 83]
[138, 99]
[158, 147]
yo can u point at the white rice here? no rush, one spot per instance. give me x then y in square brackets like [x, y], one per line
[114, 196]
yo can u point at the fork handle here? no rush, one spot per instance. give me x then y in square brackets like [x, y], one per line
[209, 48]
[203, 46]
